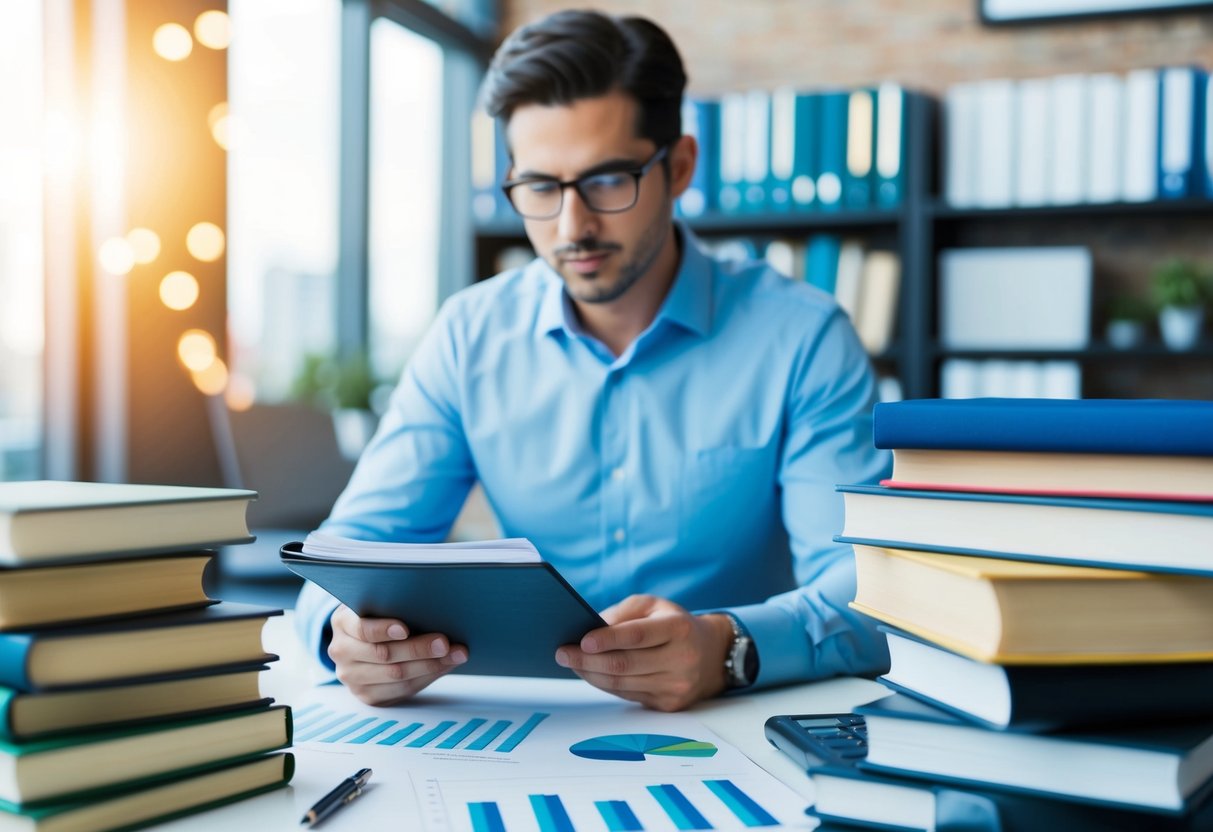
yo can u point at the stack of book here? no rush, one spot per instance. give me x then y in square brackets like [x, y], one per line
[126, 694]
[1044, 569]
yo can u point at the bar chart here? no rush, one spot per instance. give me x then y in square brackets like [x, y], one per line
[320, 724]
[627, 804]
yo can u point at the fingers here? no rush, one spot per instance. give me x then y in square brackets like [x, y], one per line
[347, 621]
[634, 606]
[637, 634]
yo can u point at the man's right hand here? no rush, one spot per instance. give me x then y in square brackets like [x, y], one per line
[382, 663]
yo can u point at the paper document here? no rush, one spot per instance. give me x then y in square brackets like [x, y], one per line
[335, 547]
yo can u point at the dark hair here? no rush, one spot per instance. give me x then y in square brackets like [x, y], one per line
[571, 55]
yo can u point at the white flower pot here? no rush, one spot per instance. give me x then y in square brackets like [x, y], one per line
[1124, 334]
[1180, 326]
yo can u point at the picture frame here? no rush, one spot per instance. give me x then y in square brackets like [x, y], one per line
[1008, 12]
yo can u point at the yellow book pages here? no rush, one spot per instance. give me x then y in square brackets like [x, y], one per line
[1003, 658]
[1011, 570]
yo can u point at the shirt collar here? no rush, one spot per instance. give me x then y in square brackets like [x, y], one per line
[688, 304]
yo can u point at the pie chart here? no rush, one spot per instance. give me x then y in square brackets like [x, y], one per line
[635, 747]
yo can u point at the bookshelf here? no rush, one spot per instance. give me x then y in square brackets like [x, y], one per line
[924, 224]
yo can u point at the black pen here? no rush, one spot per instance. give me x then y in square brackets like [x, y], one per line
[346, 791]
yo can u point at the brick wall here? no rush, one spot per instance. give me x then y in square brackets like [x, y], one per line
[925, 44]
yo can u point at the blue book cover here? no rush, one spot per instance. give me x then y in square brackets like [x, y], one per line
[1181, 118]
[821, 261]
[1151, 764]
[832, 159]
[701, 119]
[861, 150]
[1125, 426]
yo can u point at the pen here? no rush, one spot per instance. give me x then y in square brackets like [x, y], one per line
[346, 791]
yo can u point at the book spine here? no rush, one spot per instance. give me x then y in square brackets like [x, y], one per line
[14, 660]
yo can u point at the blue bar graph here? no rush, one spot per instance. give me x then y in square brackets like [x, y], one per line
[740, 803]
[550, 813]
[486, 817]
[462, 734]
[397, 736]
[482, 741]
[312, 719]
[374, 732]
[349, 729]
[680, 810]
[325, 727]
[299, 713]
[511, 742]
[432, 734]
[619, 816]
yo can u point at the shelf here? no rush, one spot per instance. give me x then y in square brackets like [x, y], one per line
[1096, 352]
[1174, 207]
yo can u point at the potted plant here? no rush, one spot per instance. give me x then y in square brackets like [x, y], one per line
[346, 387]
[1180, 291]
[1127, 318]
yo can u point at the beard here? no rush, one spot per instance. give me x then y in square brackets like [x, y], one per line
[599, 287]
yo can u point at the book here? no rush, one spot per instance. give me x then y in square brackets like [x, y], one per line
[1104, 138]
[217, 636]
[891, 131]
[1031, 145]
[1013, 612]
[1148, 535]
[1139, 176]
[1180, 121]
[855, 796]
[1124, 476]
[499, 598]
[1161, 766]
[1068, 130]
[24, 715]
[86, 765]
[79, 592]
[1035, 698]
[173, 798]
[995, 183]
[876, 317]
[49, 520]
[1113, 426]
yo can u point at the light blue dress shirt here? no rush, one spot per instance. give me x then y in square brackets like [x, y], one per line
[699, 465]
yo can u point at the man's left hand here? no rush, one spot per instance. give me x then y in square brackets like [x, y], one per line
[654, 652]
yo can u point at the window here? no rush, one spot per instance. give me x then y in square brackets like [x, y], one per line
[21, 267]
[405, 191]
[282, 187]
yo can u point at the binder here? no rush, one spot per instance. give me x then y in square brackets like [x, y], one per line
[1032, 157]
[757, 150]
[1106, 93]
[1180, 115]
[961, 145]
[833, 158]
[821, 261]
[995, 132]
[1067, 129]
[861, 141]
[1208, 137]
[806, 152]
[1141, 126]
[783, 149]
[701, 119]
[890, 145]
[732, 152]
[484, 166]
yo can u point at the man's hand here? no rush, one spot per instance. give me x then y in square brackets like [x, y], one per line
[381, 663]
[654, 652]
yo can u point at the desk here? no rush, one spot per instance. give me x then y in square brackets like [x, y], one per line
[739, 720]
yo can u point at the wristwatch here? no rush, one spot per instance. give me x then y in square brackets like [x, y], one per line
[741, 662]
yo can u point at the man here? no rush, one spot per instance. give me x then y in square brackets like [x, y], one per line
[667, 428]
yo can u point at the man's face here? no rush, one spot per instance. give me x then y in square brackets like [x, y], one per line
[599, 255]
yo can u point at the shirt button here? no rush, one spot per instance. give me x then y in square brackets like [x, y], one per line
[617, 474]
[620, 535]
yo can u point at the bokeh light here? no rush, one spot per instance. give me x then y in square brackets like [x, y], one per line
[179, 290]
[196, 349]
[213, 29]
[241, 393]
[117, 256]
[212, 380]
[145, 244]
[172, 42]
[220, 123]
[205, 241]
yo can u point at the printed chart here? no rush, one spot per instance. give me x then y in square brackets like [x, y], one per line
[618, 804]
[635, 747]
[317, 723]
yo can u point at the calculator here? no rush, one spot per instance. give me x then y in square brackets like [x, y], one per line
[819, 739]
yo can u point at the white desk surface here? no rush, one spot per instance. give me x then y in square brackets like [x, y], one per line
[738, 719]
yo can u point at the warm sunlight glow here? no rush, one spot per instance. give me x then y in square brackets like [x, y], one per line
[196, 349]
[145, 244]
[240, 393]
[212, 380]
[178, 290]
[117, 256]
[205, 241]
[172, 42]
[213, 29]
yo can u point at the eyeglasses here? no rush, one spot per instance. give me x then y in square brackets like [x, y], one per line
[609, 192]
